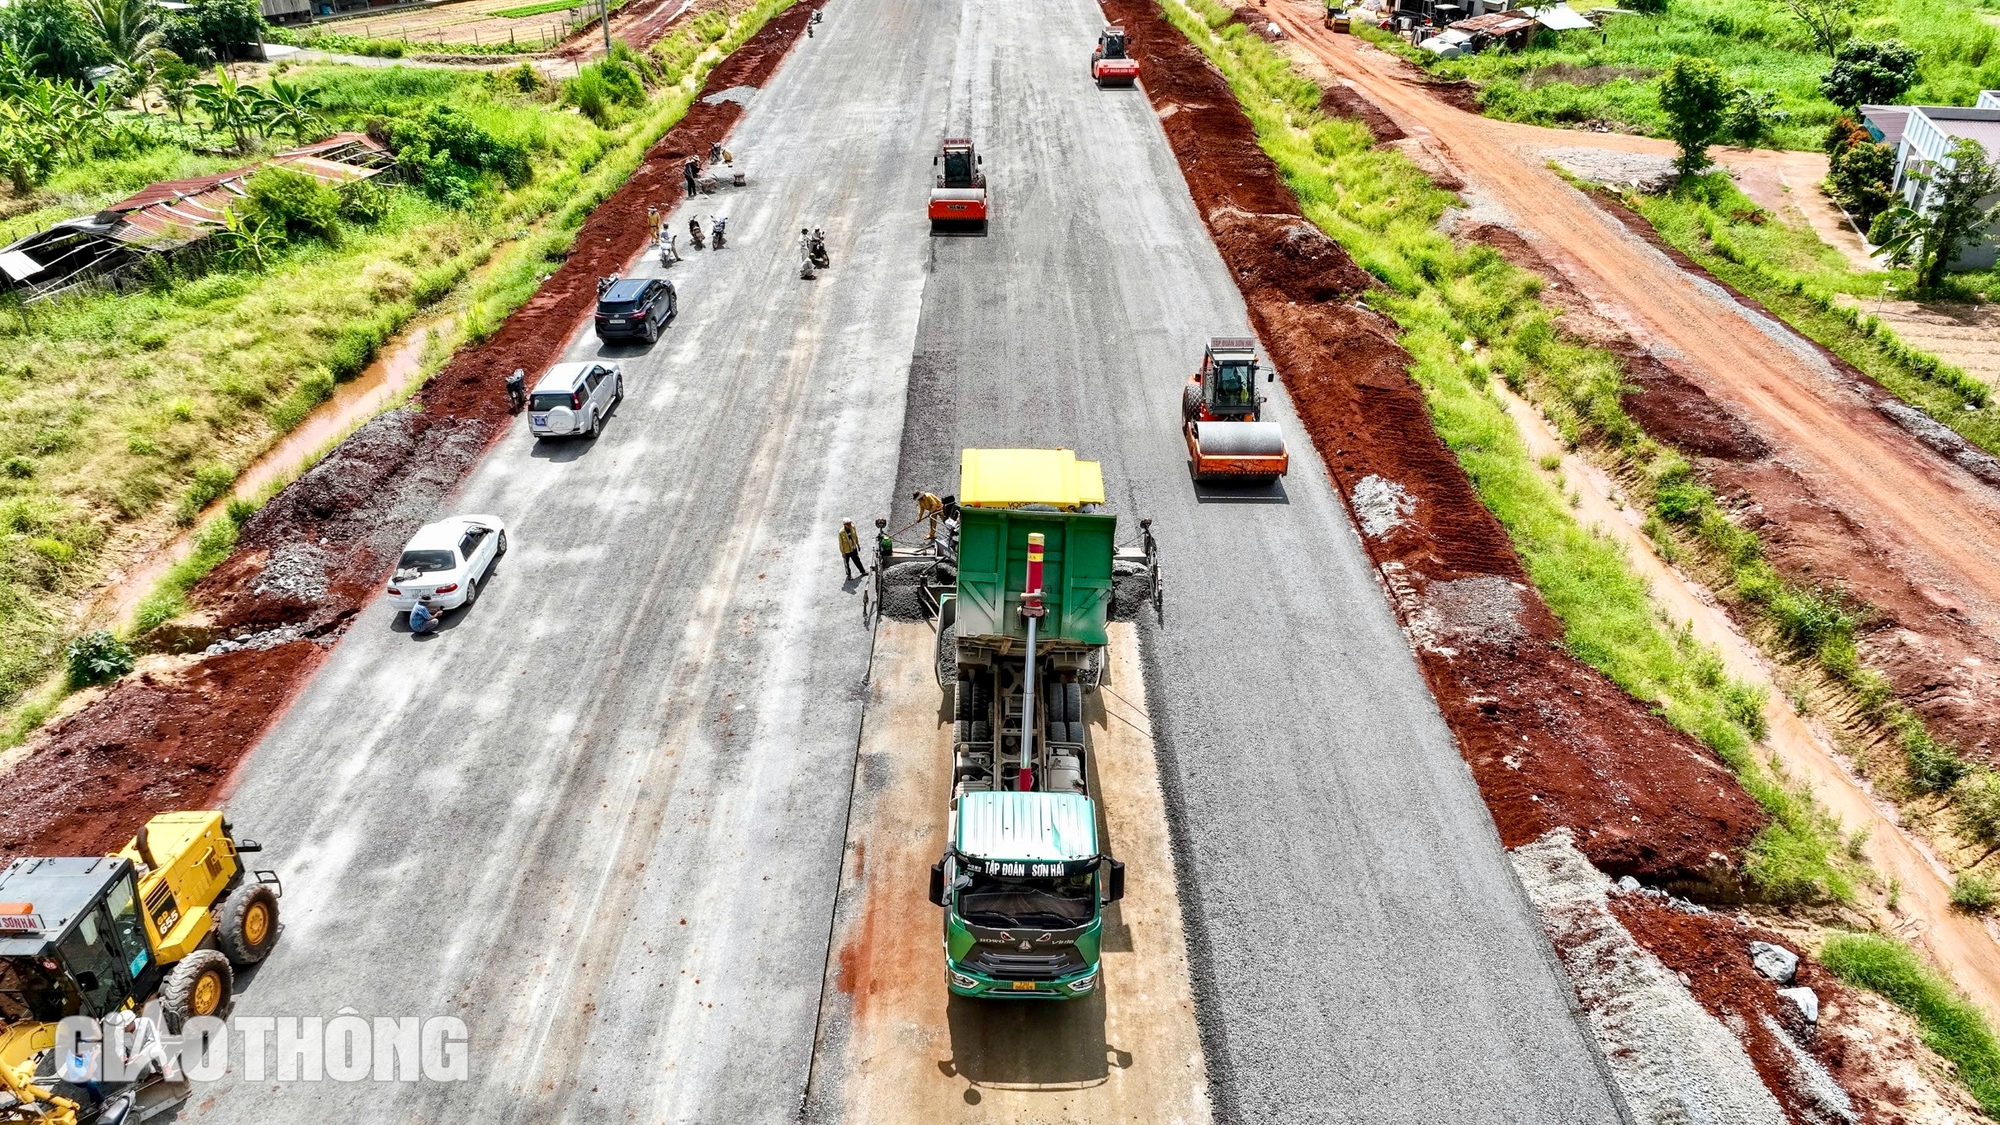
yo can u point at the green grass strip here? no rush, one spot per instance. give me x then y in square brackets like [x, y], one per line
[1950, 1024]
[542, 9]
[1383, 209]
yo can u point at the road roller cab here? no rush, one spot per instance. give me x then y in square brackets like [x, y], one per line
[1222, 416]
[172, 914]
[958, 200]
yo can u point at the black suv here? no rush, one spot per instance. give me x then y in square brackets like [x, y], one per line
[636, 306]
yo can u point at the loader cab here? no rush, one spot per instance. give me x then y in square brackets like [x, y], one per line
[960, 163]
[1111, 43]
[1229, 377]
[72, 941]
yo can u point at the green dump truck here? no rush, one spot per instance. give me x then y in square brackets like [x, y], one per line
[1021, 633]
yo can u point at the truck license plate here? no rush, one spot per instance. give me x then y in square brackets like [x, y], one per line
[1024, 986]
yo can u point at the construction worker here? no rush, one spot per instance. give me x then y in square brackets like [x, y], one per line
[884, 545]
[692, 171]
[423, 618]
[928, 505]
[850, 552]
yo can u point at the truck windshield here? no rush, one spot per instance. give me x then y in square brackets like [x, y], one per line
[1235, 384]
[999, 901]
[28, 993]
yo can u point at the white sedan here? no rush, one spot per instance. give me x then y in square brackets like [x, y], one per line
[446, 561]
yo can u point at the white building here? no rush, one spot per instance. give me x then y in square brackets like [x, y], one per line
[1923, 136]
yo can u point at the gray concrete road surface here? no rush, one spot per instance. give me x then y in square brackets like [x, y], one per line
[1361, 950]
[600, 816]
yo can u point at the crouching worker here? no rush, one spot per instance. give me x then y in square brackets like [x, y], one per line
[423, 619]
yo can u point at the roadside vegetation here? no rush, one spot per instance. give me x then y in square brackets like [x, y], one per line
[1950, 1024]
[1468, 317]
[1780, 57]
[128, 412]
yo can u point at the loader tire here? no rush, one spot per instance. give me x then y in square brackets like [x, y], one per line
[1073, 701]
[200, 984]
[246, 925]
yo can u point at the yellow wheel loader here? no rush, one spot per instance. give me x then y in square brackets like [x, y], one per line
[172, 915]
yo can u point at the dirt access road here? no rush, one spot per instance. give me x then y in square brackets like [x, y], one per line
[1935, 522]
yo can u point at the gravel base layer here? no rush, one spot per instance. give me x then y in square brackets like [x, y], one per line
[1672, 1060]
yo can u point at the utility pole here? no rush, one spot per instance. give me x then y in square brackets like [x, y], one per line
[607, 30]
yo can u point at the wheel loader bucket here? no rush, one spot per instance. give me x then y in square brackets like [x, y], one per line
[1225, 450]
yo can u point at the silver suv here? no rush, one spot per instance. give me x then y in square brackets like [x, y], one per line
[573, 398]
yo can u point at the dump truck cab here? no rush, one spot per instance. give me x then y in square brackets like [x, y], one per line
[1021, 636]
[1024, 886]
[169, 915]
[1112, 64]
[1222, 416]
[958, 199]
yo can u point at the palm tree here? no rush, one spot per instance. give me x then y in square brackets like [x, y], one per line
[129, 33]
[292, 109]
[232, 107]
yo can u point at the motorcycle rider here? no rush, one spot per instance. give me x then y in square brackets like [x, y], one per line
[694, 232]
[517, 390]
[816, 247]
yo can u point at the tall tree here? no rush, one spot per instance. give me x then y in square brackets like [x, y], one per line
[130, 38]
[55, 33]
[1696, 97]
[1825, 20]
[1870, 73]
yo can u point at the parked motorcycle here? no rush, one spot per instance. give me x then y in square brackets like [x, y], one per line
[816, 250]
[694, 233]
[517, 391]
[721, 221]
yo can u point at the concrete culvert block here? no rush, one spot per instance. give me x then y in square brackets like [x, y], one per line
[1774, 961]
[1806, 999]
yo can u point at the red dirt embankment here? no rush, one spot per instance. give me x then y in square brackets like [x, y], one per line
[318, 552]
[1551, 742]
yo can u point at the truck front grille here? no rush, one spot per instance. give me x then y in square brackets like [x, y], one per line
[1007, 963]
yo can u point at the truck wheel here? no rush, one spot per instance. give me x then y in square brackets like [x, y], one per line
[1076, 733]
[1073, 701]
[247, 923]
[961, 733]
[982, 731]
[199, 984]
